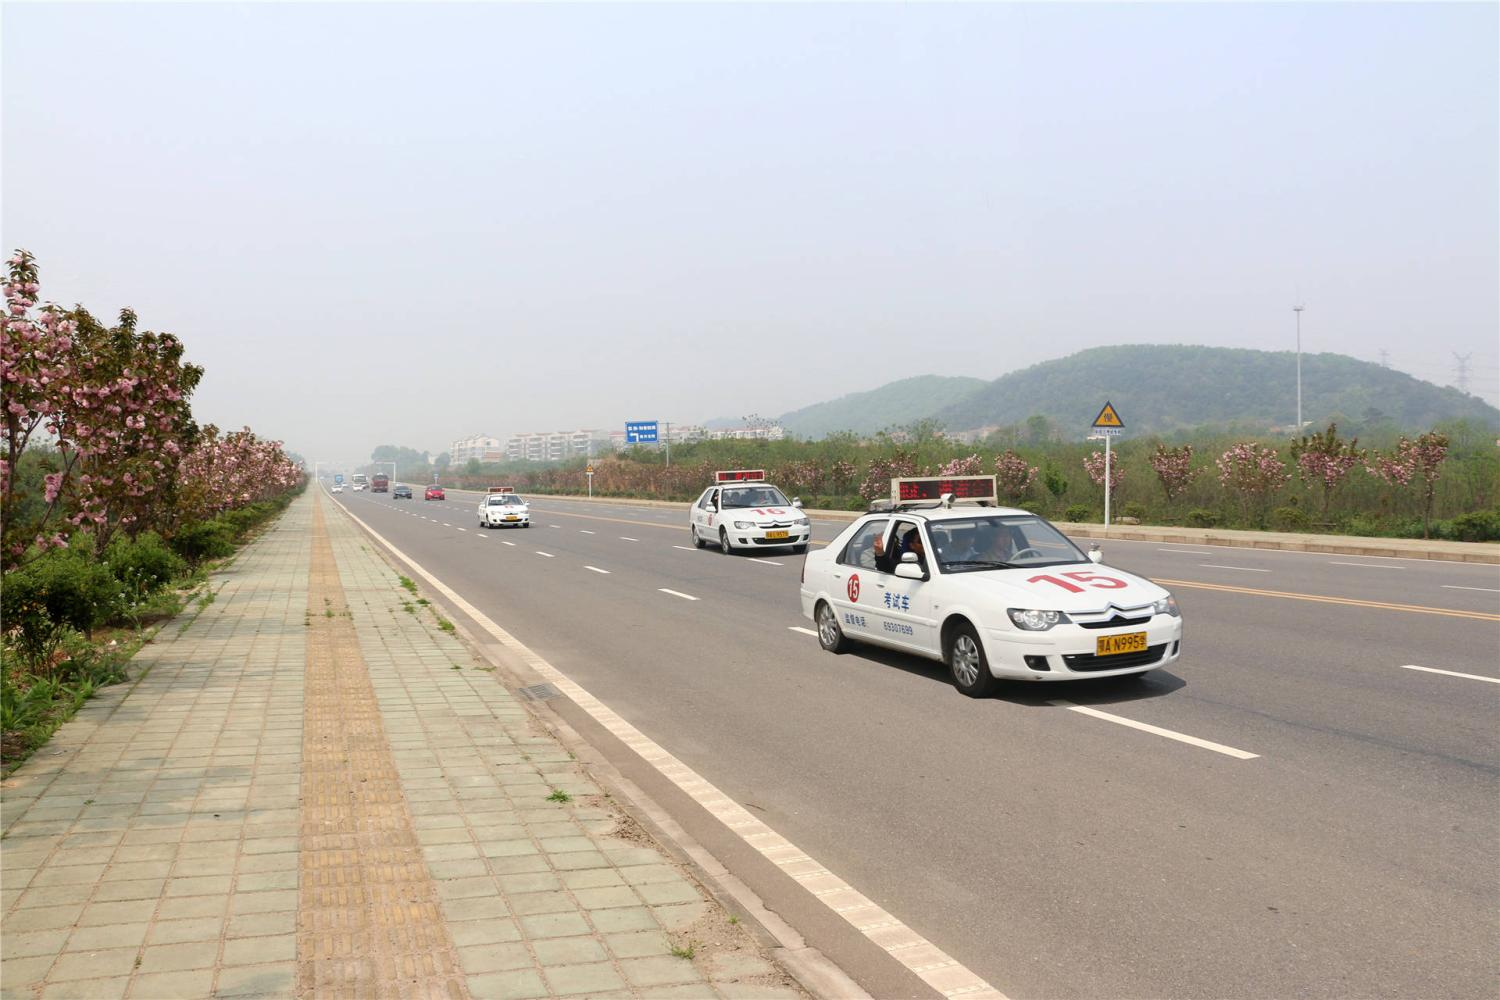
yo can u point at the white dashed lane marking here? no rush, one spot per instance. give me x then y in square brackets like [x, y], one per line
[546, 555]
[685, 548]
[1451, 673]
[1187, 552]
[624, 538]
[1242, 569]
[674, 593]
[1157, 730]
[804, 631]
[1487, 590]
[504, 542]
[596, 569]
[766, 562]
[1365, 565]
[584, 531]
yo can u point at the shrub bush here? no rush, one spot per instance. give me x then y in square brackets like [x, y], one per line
[200, 540]
[1475, 526]
[143, 565]
[1200, 518]
[1290, 518]
[59, 591]
[1077, 512]
[1135, 510]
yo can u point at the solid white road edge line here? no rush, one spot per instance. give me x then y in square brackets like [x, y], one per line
[928, 962]
[1487, 590]
[1450, 673]
[596, 569]
[677, 593]
[804, 631]
[1157, 730]
[1246, 569]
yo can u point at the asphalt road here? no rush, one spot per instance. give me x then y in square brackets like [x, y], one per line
[1057, 853]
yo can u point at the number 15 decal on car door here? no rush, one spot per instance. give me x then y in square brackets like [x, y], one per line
[1092, 579]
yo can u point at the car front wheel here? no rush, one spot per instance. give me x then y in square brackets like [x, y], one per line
[830, 636]
[724, 545]
[698, 542]
[967, 663]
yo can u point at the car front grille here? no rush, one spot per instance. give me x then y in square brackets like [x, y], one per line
[1115, 622]
[1120, 661]
[777, 541]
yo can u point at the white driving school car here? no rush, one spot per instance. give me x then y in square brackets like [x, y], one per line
[503, 507]
[991, 591]
[742, 511]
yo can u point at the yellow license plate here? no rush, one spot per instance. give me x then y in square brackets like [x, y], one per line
[1112, 645]
[512, 517]
[776, 534]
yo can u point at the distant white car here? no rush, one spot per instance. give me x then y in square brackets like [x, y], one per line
[990, 591]
[504, 508]
[742, 511]
[337, 488]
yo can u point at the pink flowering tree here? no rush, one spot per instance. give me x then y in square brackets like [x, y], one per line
[110, 402]
[36, 368]
[224, 472]
[1325, 460]
[1254, 474]
[1414, 464]
[1174, 469]
[877, 482]
[1093, 464]
[1013, 476]
[840, 475]
[971, 465]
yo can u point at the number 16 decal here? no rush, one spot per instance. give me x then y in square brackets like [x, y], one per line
[1092, 579]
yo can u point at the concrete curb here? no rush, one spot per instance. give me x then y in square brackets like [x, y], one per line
[1349, 545]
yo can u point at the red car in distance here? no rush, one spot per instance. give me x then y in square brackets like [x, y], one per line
[434, 493]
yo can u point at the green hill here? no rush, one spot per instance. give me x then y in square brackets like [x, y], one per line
[891, 405]
[1161, 387]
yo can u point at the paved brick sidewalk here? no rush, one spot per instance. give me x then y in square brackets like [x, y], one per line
[311, 790]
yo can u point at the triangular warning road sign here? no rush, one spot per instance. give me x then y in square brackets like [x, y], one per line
[1108, 417]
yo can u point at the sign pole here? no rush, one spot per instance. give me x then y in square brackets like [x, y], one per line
[1106, 479]
[669, 444]
[591, 484]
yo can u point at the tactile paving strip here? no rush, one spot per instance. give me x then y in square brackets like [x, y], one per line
[368, 923]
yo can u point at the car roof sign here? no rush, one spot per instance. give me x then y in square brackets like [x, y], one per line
[501, 489]
[967, 489]
[740, 476]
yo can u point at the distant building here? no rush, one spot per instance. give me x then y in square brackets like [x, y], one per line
[556, 446]
[766, 432]
[480, 446]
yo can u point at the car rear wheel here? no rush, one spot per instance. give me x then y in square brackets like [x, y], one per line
[724, 545]
[967, 663]
[830, 636]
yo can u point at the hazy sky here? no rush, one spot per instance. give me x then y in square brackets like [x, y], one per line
[405, 224]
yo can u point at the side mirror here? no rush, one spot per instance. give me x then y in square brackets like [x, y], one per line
[797, 502]
[1095, 556]
[910, 570]
[909, 557]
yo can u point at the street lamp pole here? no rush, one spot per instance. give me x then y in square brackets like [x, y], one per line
[1298, 310]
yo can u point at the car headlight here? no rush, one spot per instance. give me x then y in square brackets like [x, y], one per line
[799, 520]
[1166, 606]
[1036, 621]
[744, 525]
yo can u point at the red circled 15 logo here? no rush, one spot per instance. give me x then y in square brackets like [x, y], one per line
[854, 587]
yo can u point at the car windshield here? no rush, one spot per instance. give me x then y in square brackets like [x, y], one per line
[504, 498]
[1000, 541]
[754, 496]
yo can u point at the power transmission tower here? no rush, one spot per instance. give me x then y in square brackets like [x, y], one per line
[1461, 379]
[1385, 358]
